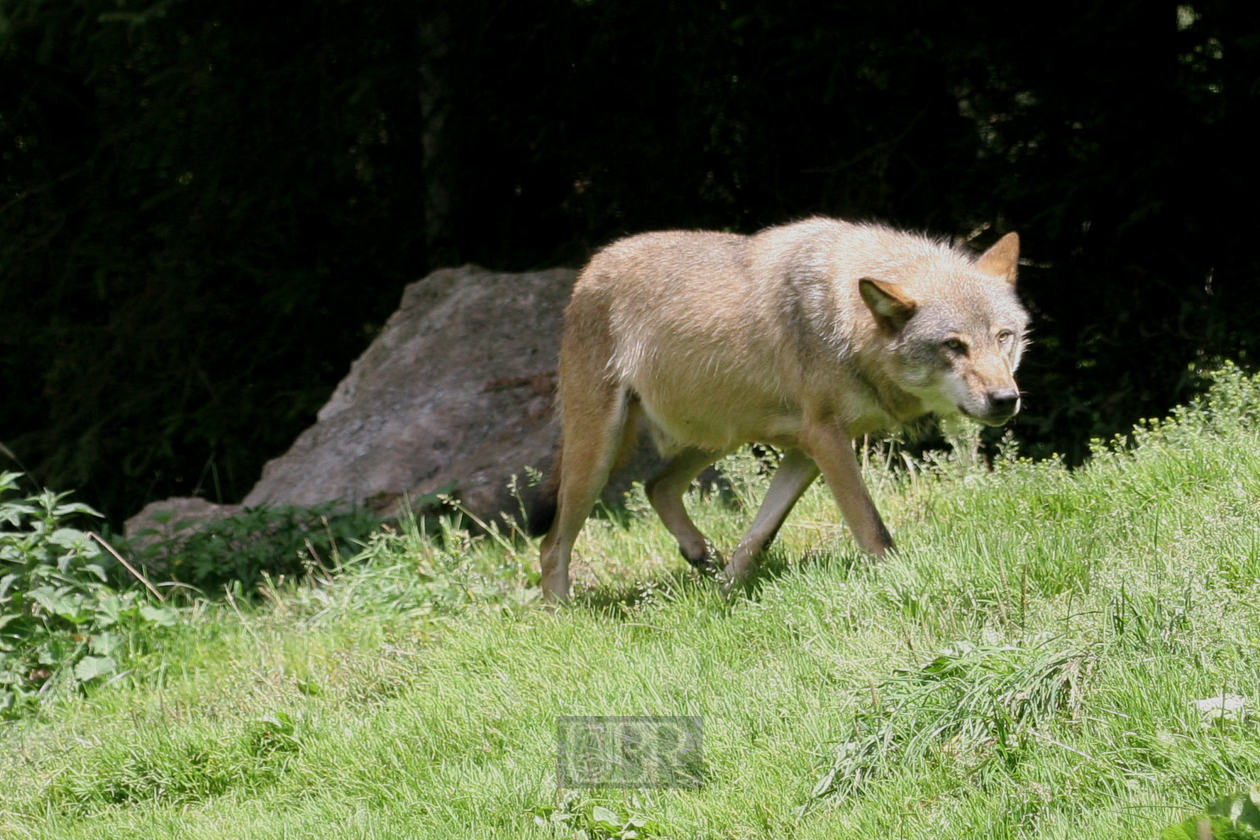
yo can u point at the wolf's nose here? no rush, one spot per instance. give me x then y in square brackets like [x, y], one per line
[1003, 402]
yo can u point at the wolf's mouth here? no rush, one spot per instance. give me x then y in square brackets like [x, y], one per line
[992, 418]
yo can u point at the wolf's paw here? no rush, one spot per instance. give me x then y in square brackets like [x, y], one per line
[709, 564]
[729, 584]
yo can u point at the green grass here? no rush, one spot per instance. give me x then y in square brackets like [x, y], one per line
[1022, 667]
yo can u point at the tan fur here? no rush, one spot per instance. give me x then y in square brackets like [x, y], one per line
[804, 337]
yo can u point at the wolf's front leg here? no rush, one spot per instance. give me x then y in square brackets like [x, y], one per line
[833, 451]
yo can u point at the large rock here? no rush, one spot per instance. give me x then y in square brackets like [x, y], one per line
[454, 396]
[455, 393]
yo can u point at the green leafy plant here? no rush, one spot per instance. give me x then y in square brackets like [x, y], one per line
[242, 550]
[60, 619]
[1235, 817]
[597, 823]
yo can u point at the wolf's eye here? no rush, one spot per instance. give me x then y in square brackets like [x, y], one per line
[1004, 336]
[956, 345]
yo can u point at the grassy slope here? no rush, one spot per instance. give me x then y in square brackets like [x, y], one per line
[1070, 619]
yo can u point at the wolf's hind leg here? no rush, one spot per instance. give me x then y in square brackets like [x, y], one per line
[665, 491]
[594, 430]
[796, 472]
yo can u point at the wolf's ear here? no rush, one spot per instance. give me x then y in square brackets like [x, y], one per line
[1002, 259]
[887, 302]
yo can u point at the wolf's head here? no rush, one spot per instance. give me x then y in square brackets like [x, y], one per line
[955, 332]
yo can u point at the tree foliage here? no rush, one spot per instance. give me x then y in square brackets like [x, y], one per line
[207, 206]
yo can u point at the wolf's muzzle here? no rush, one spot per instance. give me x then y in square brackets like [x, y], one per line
[1003, 405]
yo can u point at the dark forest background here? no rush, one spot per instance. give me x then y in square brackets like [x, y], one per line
[208, 207]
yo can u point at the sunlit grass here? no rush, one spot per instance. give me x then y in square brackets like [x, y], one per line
[1023, 666]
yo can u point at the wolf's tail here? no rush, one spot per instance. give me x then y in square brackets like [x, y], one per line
[542, 511]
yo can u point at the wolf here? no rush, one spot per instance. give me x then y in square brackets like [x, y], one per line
[804, 337]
